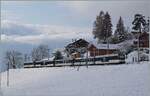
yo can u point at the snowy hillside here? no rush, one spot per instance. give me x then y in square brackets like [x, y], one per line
[117, 80]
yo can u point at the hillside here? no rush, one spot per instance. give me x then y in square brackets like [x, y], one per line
[117, 80]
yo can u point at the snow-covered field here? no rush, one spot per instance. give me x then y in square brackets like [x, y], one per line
[116, 80]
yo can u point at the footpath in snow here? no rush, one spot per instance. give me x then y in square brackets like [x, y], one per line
[116, 80]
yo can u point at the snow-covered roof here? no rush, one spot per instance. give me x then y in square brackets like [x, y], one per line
[46, 59]
[104, 46]
[126, 43]
[112, 46]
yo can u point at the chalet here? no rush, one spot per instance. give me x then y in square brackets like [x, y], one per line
[80, 47]
[77, 48]
[143, 39]
[102, 49]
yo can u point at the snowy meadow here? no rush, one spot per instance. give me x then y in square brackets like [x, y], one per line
[113, 80]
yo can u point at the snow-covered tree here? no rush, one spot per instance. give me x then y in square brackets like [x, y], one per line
[126, 48]
[107, 27]
[14, 59]
[146, 27]
[139, 22]
[102, 27]
[39, 53]
[25, 57]
[98, 26]
[120, 32]
[58, 55]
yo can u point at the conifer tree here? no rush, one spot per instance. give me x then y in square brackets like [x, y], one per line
[120, 32]
[107, 27]
[139, 23]
[58, 55]
[98, 26]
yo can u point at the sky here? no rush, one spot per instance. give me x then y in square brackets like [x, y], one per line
[26, 24]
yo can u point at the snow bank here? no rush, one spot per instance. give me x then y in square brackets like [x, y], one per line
[133, 57]
[120, 80]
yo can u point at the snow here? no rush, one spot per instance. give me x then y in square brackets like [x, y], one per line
[113, 46]
[105, 46]
[48, 59]
[132, 57]
[116, 80]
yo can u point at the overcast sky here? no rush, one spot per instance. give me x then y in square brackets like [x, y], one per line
[29, 23]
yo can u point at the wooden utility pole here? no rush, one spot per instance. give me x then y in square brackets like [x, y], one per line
[140, 30]
[1, 94]
[87, 57]
[94, 55]
[0, 80]
[48, 53]
[0, 70]
[8, 75]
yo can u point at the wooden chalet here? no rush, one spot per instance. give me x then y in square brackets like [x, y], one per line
[81, 47]
[143, 39]
[77, 48]
[102, 49]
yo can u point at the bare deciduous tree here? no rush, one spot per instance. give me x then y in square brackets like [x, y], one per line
[40, 52]
[14, 58]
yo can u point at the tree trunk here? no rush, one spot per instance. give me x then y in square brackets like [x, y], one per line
[107, 46]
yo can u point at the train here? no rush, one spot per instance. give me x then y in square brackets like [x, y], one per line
[111, 59]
